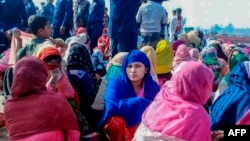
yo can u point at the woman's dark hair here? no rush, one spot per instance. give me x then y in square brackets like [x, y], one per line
[220, 52]
[53, 57]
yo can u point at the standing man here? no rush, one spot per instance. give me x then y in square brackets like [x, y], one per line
[122, 25]
[151, 17]
[176, 25]
[48, 10]
[95, 22]
[63, 19]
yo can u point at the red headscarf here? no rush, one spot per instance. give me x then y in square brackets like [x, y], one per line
[32, 109]
[80, 30]
[48, 51]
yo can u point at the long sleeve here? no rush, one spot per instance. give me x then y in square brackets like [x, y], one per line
[118, 102]
[68, 17]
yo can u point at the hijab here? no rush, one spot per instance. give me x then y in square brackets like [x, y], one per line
[210, 59]
[195, 54]
[164, 57]
[32, 109]
[120, 97]
[182, 101]
[150, 52]
[48, 52]
[79, 58]
[182, 55]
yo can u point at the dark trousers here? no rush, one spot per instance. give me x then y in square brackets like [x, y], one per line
[150, 39]
[125, 44]
[56, 33]
[94, 32]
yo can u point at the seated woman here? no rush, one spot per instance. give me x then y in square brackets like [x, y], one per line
[80, 73]
[195, 54]
[164, 61]
[181, 57]
[233, 103]
[127, 96]
[114, 68]
[235, 57]
[33, 113]
[177, 111]
[209, 58]
[58, 80]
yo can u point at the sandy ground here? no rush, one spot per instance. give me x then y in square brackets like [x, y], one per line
[3, 134]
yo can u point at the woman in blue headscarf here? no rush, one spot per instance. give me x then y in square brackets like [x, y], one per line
[127, 97]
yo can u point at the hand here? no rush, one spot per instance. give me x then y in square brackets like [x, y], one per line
[62, 30]
[56, 75]
[217, 135]
[27, 30]
[53, 41]
[17, 34]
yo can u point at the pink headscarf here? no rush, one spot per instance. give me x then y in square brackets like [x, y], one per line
[176, 44]
[195, 54]
[182, 55]
[247, 51]
[177, 109]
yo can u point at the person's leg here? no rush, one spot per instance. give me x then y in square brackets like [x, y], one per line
[114, 50]
[146, 38]
[95, 31]
[55, 32]
[66, 35]
[154, 39]
[127, 43]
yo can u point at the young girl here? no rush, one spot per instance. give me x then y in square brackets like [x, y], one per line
[127, 96]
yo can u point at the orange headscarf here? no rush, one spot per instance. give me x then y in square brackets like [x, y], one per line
[48, 51]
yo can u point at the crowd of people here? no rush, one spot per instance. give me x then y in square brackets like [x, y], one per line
[72, 72]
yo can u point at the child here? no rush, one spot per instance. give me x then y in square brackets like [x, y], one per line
[40, 27]
[104, 40]
[98, 62]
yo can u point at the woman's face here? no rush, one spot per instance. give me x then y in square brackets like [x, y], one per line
[136, 71]
[53, 64]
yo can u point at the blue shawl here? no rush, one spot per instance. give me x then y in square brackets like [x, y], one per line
[121, 99]
[234, 101]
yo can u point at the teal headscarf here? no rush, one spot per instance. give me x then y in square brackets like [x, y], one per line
[241, 57]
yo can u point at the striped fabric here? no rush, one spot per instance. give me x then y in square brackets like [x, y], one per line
[234, 102]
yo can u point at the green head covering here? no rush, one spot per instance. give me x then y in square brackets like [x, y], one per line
[241, 57]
